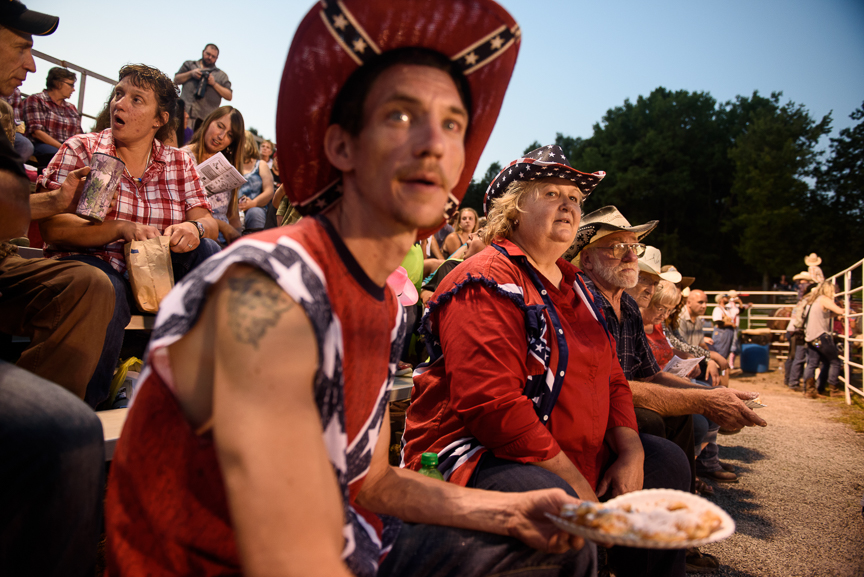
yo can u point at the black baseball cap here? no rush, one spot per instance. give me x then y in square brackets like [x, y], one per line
[14, 14]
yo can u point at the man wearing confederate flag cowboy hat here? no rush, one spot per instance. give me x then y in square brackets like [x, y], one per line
[258, 437]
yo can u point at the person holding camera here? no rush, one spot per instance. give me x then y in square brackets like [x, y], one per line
[203, 85]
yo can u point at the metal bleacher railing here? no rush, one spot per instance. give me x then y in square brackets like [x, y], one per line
[82, 84]
[849, 285]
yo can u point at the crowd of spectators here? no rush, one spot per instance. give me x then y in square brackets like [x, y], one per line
[559, 330]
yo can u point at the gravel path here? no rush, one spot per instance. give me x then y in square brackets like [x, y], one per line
[797, 506]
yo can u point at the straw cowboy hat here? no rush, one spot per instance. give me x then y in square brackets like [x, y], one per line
[650, 263]
[336, 38]
[602, 222]
[812, 260]
[685, 281]
[544, 162]
[732, 294]
[803, 275]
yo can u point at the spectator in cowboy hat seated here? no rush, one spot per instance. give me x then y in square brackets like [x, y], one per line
[607, 249]
[502, 399]
[207, 479]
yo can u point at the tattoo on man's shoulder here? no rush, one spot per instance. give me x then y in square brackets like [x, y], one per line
[255, 304]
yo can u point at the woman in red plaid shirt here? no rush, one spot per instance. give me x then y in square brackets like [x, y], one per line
[159, 193]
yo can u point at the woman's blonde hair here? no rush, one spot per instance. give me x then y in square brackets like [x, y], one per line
[665, 295]
[250, 148]
[824, 288]
[7, 120]
[502, 217]
[459, 220]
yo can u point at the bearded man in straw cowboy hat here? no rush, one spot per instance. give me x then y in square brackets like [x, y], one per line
[611, 256]
[258, 440]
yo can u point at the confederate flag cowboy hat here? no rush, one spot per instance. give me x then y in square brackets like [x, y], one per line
[544, 162]
[338, 36]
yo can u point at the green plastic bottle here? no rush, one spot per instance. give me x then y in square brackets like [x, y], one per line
[429, 466]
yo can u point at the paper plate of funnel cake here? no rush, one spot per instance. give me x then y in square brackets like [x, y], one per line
[649, 519]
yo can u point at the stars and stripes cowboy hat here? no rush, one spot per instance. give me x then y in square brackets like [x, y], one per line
[337, 37]
[544, 162]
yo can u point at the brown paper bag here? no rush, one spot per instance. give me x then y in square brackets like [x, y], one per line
[150, 271]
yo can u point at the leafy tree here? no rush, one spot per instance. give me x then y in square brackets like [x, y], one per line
[477, 190]
[253, 130]
[773, 156]
[837, 208]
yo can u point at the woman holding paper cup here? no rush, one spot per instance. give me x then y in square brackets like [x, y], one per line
[222, 131]
[158, 192]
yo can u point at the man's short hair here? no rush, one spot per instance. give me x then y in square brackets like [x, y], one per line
[216, 48]
[57, 75]
[348, 106]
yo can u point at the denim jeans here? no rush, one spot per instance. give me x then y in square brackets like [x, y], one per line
[52, 477]
[795, 364]
[43, 152]
[255, 218]
[442, 551]
[436, 551]
[823, 349]
[705, 431]
[124, 305]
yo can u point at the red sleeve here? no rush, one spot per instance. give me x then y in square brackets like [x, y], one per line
[71, 156]
[621, 412]
[485, 348]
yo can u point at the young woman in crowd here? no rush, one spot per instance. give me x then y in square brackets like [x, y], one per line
[820, 342]
[222, 131]
[266, 151]
[158, 194]
[257, 193]
[467, 223]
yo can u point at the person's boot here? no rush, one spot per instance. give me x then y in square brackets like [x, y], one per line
[810, 389]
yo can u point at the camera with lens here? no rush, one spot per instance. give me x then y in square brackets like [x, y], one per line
[202, 84]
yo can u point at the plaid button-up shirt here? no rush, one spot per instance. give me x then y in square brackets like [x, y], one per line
[60, 121]
[634, 351]
[16, 101]
[170, 188]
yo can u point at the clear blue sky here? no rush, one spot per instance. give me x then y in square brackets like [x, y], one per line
[577, 60]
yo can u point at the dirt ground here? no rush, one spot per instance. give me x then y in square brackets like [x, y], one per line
[798, 505]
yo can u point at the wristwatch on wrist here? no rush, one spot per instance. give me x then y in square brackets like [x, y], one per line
[200, 228]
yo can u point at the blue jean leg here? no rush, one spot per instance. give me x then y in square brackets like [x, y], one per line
[23, 146]
[183, 262]
[797, 367]
[52, 474]
[255, 218]
[100, 383]
[429, 550]
[666, 467]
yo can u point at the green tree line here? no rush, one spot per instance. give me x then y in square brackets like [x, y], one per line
[740, 188]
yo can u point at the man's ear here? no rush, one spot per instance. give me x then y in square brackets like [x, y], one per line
[339, 148]
[585, 260]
